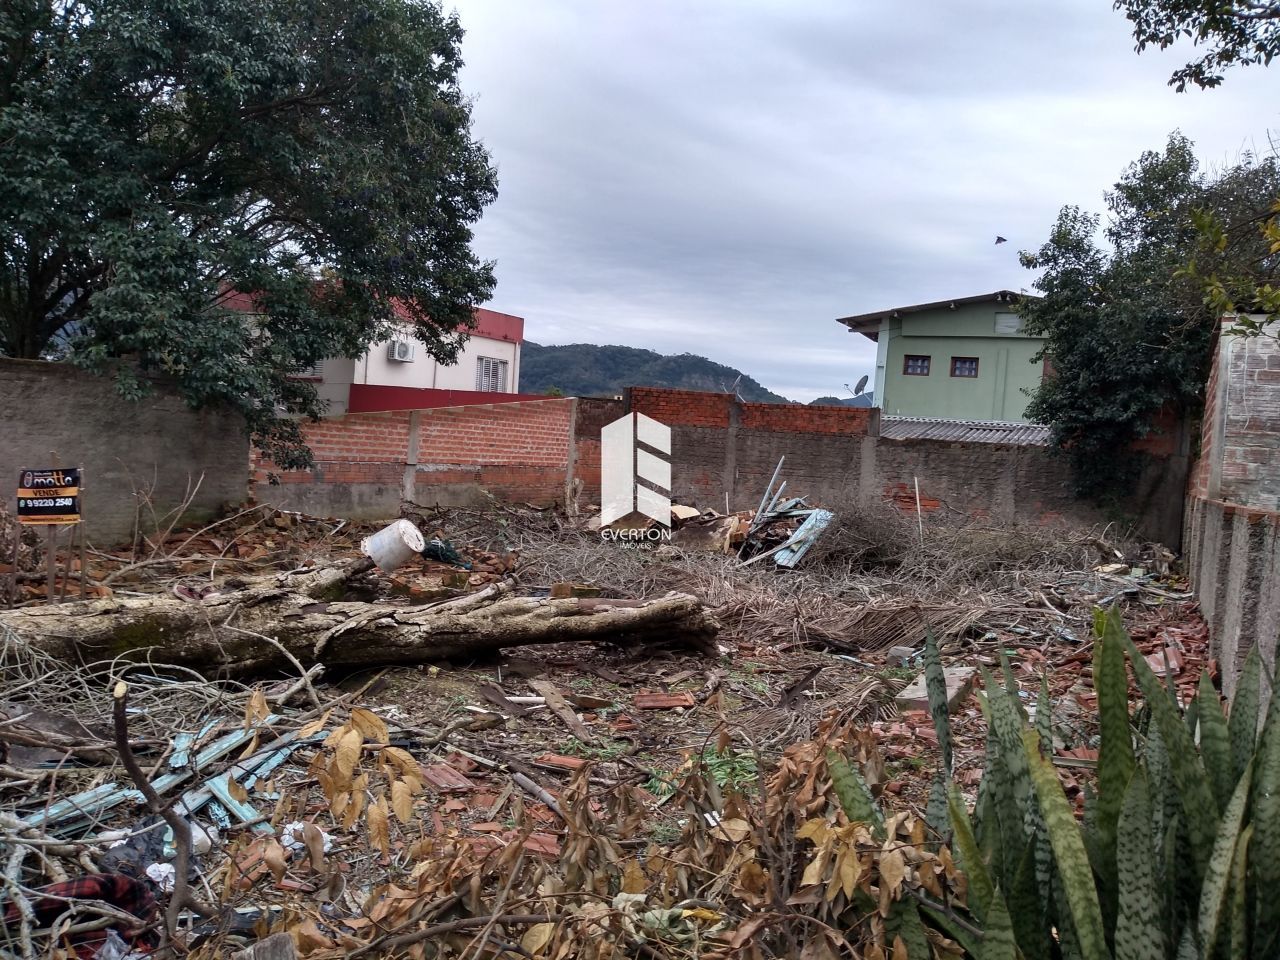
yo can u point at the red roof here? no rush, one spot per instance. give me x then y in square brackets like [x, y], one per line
[489, 323]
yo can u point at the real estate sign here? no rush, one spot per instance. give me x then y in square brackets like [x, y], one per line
[49, 496]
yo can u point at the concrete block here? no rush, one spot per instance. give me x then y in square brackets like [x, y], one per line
[900, 656]
[959, 686]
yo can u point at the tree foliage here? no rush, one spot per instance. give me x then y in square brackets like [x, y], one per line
[1236, 33]
[157, 156]
[1127, 331]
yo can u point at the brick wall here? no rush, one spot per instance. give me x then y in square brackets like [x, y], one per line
[1233, 503]
[366, 463]
[591, 413]
[721, 449]
[156, 445]
[1250, 422]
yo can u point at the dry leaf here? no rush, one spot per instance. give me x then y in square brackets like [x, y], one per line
[358, 800]
[818, 948]
[315, 726]
[633, 878]
[403, 761]
[256, 709]
[372, 726]
[348, 755]
[314, 840]
[701, 913]
[900, 949]
[753, 883]
[379, 825]
[537, 937]
[274, 857]
[817, 868]
[236, 791]
[309, 938]
[402, 801]
[735, 830]
[893, 869]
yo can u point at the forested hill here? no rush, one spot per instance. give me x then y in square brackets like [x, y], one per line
[587, 369]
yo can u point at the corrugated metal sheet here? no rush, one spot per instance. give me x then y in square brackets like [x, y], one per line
[964, 431]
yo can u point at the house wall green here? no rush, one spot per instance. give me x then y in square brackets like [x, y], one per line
[1007, 373]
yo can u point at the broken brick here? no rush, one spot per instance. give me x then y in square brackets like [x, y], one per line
[663, 701]
[560, 762]
[445, 778]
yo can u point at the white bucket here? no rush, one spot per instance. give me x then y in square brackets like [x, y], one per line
[393, 546]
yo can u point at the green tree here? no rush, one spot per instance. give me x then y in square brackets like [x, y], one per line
[1236, 33]
[159, 156]
[1127, 333]
[1234, 278]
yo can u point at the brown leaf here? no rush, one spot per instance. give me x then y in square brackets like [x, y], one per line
[633, 878]
[314, 840]
[818, 948]
[372, 726]
[748, 930]
[537, 937]
[379, 825]
[256, 709]
[402, 801]
[309, 938]
[358, 800]
[348, 755]
[315, 726]
[273, 856]
[403, 761]
[900, 949]
[753, 884]
[236, 790]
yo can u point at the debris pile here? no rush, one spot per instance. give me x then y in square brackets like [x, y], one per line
[620, 797]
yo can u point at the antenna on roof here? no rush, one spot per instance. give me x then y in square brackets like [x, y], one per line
[862, 385]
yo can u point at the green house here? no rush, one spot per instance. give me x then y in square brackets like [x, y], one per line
[962, 359]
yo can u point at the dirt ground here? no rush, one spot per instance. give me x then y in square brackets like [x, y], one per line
[462, 776]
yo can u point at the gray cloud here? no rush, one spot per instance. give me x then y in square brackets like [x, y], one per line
[726, 177]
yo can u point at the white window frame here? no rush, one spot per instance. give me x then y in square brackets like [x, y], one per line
[491, 375]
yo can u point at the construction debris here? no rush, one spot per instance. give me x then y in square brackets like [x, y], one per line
[599, 793]
[959, 685]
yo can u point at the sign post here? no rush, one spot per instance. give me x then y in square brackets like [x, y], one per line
[50, 497]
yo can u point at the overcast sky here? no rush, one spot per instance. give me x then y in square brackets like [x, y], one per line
[726, 177]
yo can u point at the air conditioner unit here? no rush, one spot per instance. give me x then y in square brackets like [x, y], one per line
[401, 350]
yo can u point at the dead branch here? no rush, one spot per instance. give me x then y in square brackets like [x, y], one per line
[181, 898]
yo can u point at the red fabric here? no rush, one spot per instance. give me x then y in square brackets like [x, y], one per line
[125, 893]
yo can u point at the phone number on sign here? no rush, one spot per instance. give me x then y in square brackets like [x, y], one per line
[50, 502]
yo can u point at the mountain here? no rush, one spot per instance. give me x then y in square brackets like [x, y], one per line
[862, 400]
[587, 370]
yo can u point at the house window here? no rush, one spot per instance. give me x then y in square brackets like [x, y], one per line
[964, 366]
[313, 372]
[491, 375]
[1008, 325]
[915, 365]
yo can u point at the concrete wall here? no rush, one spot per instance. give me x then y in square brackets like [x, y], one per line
[835, 455]
[157, 446]
[1233, 505]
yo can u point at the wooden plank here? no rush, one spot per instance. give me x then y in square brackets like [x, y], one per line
[557, 705]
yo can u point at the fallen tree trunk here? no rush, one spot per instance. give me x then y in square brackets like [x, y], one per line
[259, 628]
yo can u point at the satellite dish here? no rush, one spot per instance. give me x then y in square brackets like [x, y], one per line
[862, 385]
